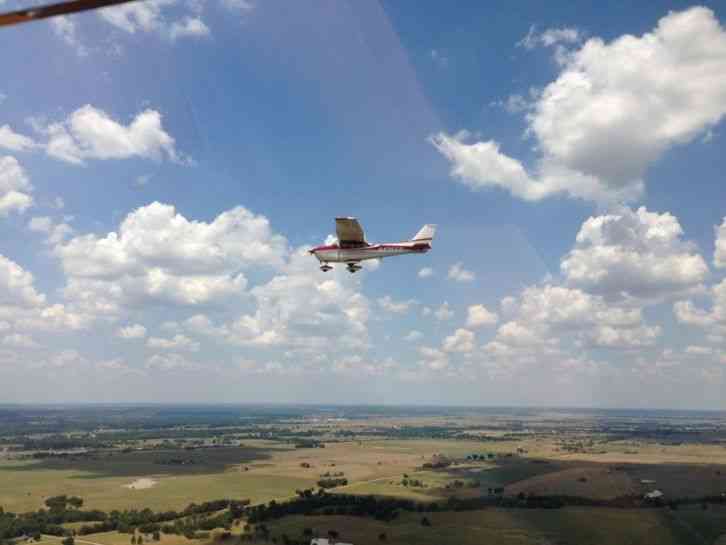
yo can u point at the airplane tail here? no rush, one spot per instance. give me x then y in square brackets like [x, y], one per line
[426, 234]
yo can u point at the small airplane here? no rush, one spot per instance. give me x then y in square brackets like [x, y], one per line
[352, 247]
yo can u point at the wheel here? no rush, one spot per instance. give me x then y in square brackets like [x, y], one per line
[325, 268]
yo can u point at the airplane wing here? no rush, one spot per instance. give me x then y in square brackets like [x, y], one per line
[349, 232]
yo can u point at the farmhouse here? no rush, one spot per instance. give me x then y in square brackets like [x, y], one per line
[656, 494]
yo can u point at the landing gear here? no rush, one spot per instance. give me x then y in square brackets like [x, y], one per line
[353, 267]
[325, 267]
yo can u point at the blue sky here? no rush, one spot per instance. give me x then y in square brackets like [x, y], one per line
[164, 165]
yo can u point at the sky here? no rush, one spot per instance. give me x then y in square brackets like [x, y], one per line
[165, 165]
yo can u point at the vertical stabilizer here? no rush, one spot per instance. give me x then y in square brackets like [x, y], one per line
[426, 234]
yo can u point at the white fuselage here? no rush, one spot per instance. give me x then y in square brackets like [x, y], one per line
[334, 254]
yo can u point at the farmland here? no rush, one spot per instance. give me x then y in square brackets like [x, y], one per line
[595, 469]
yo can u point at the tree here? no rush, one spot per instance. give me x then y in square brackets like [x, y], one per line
[308, 532]
[133, 540]
[382, 536]
[333, 534]
[140, 540]
[68, 541]
[425, 521]
[156, 536]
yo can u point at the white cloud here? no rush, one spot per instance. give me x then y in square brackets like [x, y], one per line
[633, 254]
[242, 6]
[444, 313]
[66, 29]
[714, 320]
[142, 180]
[478, 316]
[152, 16]
[433, 359]
[300, 309]
[397, 307]
[458, 273]
[188, 27]
[136, 16]
[16, 286]
[19, 340]
[413, 336]
[24, 308]
[699, 350]
[90, 133]
[549, 37]
[171, 362]
[15, 187]
[461, 341]
[613, 110]
[13, 141]
[134, 331]
[426, 272]
[160, 256]
[719, 255]
[519, 335]
[611, 337]
[57, 232]
[178, 342]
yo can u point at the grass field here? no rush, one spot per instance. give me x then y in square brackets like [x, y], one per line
[273, 472]
[571, 526]
[265, 470]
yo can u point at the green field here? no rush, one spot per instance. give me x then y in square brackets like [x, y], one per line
[273, 472]
[101, 483]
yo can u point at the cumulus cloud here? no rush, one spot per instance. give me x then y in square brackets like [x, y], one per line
[160, 256]
[458, 273]
[13, 141]
[24, 308]
[299, 309]
[15, 188]
[611, 337]
[549, 37]
[413, 336]
[134, 331]
[192, 27]
[56, 232]
[90, 133]
[719, 255]
[242, 6]
[178, 342]
[433, 358]
[634, 254]
[461, 341]
[426, 272]
[397, 307]
[713, 319]
[16, 285]
[613, 110]
[170, 363]
[479, 316]
[444, 313]
[19, 340]
[66, 29]
[137, 16]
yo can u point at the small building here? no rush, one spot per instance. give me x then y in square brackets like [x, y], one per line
[647, 481]
[654, 495]
[326, 541]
